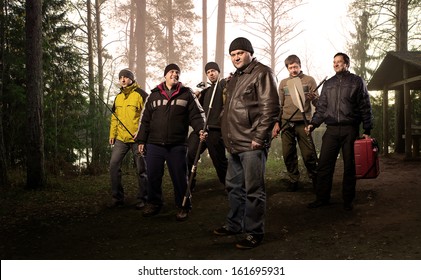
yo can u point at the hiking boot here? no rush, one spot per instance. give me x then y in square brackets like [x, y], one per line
[151, 210]
[139, 205]
[116, 203]
[251, 241]
[317, 203]
[348, 206]
[314, 182]
[224, 231]
[182, 215]
[292, 187]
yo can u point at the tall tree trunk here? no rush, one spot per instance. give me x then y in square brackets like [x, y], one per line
[141, 42]
[273, 28]
[170, 28]
[132, 36]
[220, 35]
[204, 37]
[401, 45]
[100, 108]
[91, 81]
[35, 128]
[4, 180]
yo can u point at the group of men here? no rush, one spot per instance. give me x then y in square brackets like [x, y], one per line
[236, 119]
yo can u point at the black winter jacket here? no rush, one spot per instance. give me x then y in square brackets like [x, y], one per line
[344, 100]
[214, 116]
[165, 120]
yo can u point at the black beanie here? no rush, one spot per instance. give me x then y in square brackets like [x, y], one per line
[241, 43]
[170, 67]
[212, 65]
[126, 73]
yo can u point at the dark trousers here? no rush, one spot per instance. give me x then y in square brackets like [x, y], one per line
[293, 133]
[334, 139]
[175, 157]
[216, 148]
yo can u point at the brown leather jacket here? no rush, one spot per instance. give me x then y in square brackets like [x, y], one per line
[251, 108]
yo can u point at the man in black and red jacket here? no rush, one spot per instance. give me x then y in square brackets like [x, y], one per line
[164, 126]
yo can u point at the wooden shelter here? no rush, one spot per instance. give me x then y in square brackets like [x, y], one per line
[399, 71]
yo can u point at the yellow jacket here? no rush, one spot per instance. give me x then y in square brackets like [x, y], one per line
[128, 106]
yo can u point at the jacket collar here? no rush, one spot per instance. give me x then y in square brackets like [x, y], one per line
[163, 90]
[248, 68]
[128, 89]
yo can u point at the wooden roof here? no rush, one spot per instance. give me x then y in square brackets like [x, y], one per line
[391, 71]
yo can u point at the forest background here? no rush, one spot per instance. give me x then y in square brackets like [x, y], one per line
[56, 69]
[58, 62]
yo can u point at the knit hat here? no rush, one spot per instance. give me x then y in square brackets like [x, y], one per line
[212, 65]
[241, 43]
[126, 73]
[170, 67]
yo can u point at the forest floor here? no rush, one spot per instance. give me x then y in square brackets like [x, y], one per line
[70, 221]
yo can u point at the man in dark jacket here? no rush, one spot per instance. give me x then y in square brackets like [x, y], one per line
[343, 105]
[169, 110]
[214, 142]
[251, 108]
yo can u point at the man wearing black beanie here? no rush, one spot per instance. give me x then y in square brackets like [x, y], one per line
[241, 43]
[214, 142]
[250, 111]
[170, 110]
[127, 108]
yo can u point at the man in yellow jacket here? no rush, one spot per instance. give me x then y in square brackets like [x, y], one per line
[127, 109]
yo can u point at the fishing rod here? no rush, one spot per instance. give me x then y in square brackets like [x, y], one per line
[112, 112]
[197, 156]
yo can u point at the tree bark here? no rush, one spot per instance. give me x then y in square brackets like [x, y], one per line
[401, 45]
[35, 127]
[220, 35]
[204, 37]
[141, 42]
[170, 28]
[91, 81]
[132, 36]
[4, 180]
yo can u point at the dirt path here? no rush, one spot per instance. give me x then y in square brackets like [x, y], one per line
[385, 224]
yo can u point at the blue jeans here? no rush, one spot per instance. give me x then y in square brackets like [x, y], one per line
[118, 153]
[176, 158]
[246, 191]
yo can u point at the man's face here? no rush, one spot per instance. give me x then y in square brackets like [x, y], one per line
[212, 75]
[240, 58]
[172, 77]
[294, 69]
[339, 64]
[124, 81]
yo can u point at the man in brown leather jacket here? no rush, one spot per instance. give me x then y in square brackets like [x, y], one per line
[251, 108]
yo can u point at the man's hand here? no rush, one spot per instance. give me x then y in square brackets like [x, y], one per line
[112, 141]
[141, 148]
[276, 130]
[203, 135]
[308, 129]
[311, 96]
[255, 145]
[198, 93]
